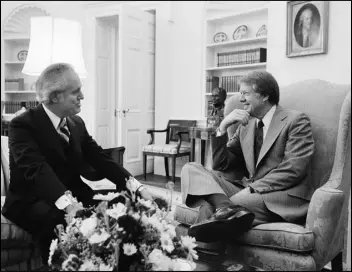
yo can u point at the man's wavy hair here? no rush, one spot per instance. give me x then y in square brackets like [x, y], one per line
[52, 82]
[263, 83]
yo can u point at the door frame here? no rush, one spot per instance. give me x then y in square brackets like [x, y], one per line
[95, 12]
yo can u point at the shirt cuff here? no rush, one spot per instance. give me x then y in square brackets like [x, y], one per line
[62, 202]
[134, 185]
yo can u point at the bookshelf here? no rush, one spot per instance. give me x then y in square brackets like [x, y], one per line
[226, 61]
[16, 36]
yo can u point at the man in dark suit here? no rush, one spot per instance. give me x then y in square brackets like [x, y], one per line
[272, 147]
[49, 150]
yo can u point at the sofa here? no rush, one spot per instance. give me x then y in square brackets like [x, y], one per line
[323, 237]
[19, 251]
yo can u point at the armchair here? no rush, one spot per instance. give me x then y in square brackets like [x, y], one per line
[286, 246]
[177, 144]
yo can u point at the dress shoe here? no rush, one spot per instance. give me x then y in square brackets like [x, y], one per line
[226, 221]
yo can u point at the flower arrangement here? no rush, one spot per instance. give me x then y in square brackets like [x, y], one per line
[121, 233]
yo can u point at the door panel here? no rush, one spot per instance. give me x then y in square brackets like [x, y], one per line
[136, 84]
[105, 124]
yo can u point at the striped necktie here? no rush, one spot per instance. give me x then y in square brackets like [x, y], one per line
[63, 130]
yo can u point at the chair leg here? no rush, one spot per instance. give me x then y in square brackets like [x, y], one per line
[166, 162]
[336, 263]
[145, 166]
[173, 169]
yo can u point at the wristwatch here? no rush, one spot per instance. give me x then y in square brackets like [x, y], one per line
[139, 189]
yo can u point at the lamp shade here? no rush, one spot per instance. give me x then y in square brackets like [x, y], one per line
[54, 40]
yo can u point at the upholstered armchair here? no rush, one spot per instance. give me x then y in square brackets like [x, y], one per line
[177, 144]
[286, 246]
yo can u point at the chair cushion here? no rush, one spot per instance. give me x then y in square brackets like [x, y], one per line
[13, 236]
[284, 236]
[166, 148]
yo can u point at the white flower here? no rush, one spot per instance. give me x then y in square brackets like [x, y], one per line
[110, 196]
[53, 247]
[155, 256]
[155, 222]
[166, 242]
[164, 264]
[189, 242]
[104, 267]
[117, 210]
[97, 238]
[146, 203]
[136, 216]
[88, 265]
[129, 249]
[88, 226]
[171, 231]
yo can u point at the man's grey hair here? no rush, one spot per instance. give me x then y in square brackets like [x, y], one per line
[51, 82]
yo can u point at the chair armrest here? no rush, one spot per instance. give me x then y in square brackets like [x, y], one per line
[325, 218]
[179, 135]
[152, 131]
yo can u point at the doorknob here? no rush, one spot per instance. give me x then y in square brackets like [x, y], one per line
[124, 111]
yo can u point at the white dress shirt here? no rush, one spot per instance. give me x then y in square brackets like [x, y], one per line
[267, 120]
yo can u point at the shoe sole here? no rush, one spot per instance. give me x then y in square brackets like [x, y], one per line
[220, 229]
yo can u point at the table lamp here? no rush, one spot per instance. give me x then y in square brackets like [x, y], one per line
[54, 40]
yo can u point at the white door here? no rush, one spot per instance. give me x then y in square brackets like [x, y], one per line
[105, 85]
[136, 83]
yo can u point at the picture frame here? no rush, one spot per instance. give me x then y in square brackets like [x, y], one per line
[307, 28]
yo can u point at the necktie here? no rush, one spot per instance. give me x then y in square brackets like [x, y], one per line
[258, 139]
[63, 130]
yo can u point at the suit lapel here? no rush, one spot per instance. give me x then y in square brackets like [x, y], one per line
[275, 127]
[47, 132]
[248, 145]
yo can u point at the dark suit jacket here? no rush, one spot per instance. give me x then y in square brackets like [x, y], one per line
[282, 172]
[42, 169]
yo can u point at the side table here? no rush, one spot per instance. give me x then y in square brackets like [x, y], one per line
[202, 133]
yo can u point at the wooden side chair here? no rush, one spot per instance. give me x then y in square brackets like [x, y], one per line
[177, 144]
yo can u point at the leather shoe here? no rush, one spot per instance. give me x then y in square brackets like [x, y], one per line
[224, 222]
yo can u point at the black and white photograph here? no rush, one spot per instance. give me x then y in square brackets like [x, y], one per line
[176, 136]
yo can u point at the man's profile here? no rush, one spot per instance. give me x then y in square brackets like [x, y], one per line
[307, 25]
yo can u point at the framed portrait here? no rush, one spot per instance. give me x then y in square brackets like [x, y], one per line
[307, 28]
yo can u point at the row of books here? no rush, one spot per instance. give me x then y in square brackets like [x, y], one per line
[248, 56]
[229, 83]
[14, 106]
[212, 82]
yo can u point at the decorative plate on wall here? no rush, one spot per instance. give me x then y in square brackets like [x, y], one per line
[240, 32]
[22, 55]
[262, 31]
[220, 37]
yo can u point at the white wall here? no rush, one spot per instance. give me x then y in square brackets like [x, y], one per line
[179, 68]
[70, 10]
[335, 66]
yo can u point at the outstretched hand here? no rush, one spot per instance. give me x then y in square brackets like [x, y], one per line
[71, 211]
[145, 194]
